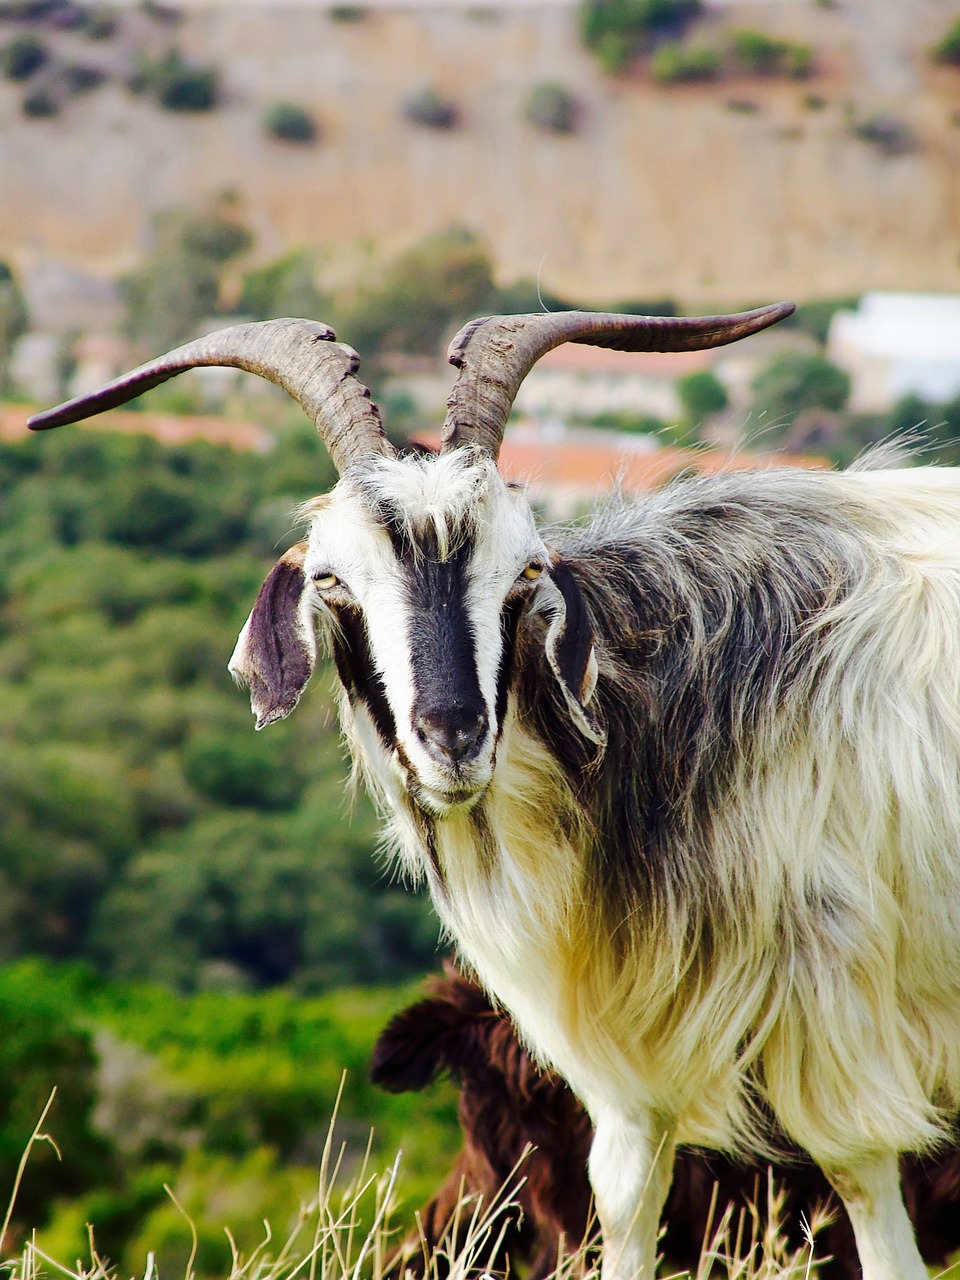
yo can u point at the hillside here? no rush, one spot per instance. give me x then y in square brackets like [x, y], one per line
[749, 187]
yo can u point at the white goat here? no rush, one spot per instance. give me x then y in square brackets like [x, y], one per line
[685, 785]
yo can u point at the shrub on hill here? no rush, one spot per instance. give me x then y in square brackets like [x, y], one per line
[552, 108]
[947, 48]
[22, 56]
[431, 109]
[616, 30]
[289, 123]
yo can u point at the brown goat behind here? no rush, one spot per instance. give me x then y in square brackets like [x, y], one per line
[507, 1104]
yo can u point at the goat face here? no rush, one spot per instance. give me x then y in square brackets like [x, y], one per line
[423, 569]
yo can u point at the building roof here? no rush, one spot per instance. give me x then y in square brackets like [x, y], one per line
[168, 428]
[578, 357]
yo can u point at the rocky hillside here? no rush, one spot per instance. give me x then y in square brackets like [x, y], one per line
[746, 187]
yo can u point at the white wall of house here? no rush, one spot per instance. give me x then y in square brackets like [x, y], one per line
[896, 344]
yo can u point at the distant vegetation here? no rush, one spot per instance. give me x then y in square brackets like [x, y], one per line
[290, 123]
[431, 109]
[226, 1098]
[947, 48]
[551, 107]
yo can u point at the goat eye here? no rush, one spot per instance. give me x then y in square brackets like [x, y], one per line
[532, 572]
[326, 580]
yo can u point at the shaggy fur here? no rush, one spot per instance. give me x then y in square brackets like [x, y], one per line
[704, 840]
[508, 1104]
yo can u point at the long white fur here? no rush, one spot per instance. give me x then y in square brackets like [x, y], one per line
[835, 978]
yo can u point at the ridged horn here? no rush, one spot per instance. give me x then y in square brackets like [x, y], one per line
[495, 354]
[302, 356]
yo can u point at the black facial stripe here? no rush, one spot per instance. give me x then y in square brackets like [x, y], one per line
[358, 673]
[509, 621]
[442, 645]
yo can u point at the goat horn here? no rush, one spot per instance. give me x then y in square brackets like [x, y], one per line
[302, 356]
[495, 354]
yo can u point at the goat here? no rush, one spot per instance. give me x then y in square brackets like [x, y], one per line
[683, 782]
[507, 1105]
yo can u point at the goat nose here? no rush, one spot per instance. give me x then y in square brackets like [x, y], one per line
[452, 735]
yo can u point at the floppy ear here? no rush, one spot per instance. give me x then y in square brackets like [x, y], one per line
[277, 648]
[569, 646]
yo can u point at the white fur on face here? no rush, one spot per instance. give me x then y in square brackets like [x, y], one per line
[453, 498]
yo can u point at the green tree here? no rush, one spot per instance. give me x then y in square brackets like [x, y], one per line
[179, 282]
[284, 287]
[701, 394]
[947, 48]
[616, 30]
[14, 322]
[794, 381]
[439, 283]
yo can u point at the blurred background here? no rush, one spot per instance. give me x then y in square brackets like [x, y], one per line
[196, 933]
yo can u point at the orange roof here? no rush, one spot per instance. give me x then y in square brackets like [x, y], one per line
[577, 357]
[580, 466]
[577, 464]
[168, 428]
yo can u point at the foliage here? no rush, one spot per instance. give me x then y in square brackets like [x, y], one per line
[22, 56]
[14, 321]
[290, 123]
[947, 48]
[794, 381]
[284, 287]
[42, 1045]
[40, 104]
[889, 134]
[179, 280]
[676, 63]
[552, 108]
[762, 54]
[431, 109]
[442, 281]
[178, 84]
[616, 30]
[224, 1097]
[347, 13]
[701, 394]
[143, 824]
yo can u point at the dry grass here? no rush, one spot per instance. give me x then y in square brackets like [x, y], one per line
[345, 1232]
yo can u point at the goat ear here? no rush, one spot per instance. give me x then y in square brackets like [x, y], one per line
[569, 646]
[277, 648]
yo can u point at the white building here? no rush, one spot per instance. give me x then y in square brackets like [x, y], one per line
[898, 344]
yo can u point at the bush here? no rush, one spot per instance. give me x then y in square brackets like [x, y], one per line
[428, 108]
[437, 284]
[674, 63]
[761, 54]
[347, 13]
[178, 85]
[794, 381]
[40, 105]
[890, 135]
[289, 123]
[701, 395]
[22, 56]
[284, 287]
[615, 30]
[99, 24]
[947, 49]
[80, 78]
[552, 108]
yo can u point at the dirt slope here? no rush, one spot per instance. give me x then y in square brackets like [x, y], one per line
[662, 191]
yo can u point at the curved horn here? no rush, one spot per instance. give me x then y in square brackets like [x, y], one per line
[301, 356]
[496, 353]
